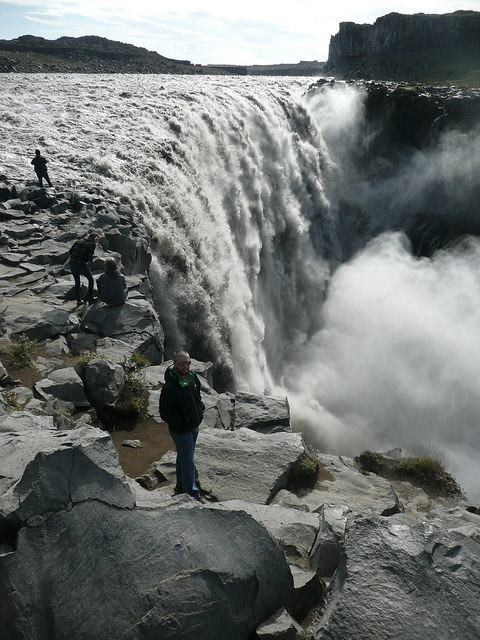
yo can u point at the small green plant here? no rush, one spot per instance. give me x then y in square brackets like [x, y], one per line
[139, 361]
[426, 472]
[303, 472]
[12, 401]
[83, 359]
[22, 351]
[135, 392]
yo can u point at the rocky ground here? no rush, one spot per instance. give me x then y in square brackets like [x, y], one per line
[277, 550]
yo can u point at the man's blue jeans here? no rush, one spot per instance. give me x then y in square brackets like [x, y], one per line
[82, 270]
[185, 444]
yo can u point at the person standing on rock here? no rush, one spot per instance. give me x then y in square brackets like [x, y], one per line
[111, 285]
[40, 168]
[81, 254]
[181, 407]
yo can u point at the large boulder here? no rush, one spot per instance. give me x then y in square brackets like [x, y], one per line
[38, 320]
[99, 572]
[401, 579]
[43, 470]
[136, 256]
[242, 464]
[133, 322]
[64, 384]
[104, 380]
[262, 413]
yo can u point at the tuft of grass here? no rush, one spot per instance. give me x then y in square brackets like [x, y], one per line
[139, 361]
[426, 472]
[304, 471]
[22, 351]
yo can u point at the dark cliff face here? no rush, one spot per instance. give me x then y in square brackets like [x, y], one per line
[402, 121]
[408, 47]
[87, 54]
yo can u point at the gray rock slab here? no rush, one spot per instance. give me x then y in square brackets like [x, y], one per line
[286, 498]
[345, 484]
[56, 347]
[5, 377]
[153, 405]
[45, 470]
[24, 394]
[38, 320]
[115, 350]
[328, 548]
[82, 342]
[183, 572]
[64, 384]
[280, 626]
[219, 410]
[261, 412]
[50, 252]
[18, 231]
[20, 421]
[46, 365]
[7, 272]
[394, 570]
[295, 531]
[135, 323]
[155, 375]
[12, 258]
[244, 464]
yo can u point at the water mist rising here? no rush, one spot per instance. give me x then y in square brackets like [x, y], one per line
[396, 361]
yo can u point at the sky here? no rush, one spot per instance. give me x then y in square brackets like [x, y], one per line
[210, 31]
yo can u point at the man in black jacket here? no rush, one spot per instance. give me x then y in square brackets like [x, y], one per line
[40, 168]
[81, 253]
[181, 407]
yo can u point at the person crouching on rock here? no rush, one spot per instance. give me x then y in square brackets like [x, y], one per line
[40, 168]
[81, 254]
[181, 407]
[111, 285]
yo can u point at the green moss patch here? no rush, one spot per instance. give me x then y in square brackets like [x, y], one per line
[425, 472]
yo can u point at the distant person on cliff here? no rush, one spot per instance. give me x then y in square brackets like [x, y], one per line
[181, 407]
[81, 254]
[40, 168]
[111, 285]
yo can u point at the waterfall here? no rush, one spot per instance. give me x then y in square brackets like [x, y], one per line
[279, 245]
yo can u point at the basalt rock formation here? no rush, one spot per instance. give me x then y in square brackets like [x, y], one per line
[408, 47]
[87, 54]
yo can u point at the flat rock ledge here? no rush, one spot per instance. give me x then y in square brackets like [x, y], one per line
[86, 552]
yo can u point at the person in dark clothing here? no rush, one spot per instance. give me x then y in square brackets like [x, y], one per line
[81, 254]
[181, 407]
[111, 285]
[40, 168]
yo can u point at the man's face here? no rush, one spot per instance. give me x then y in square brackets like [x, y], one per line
[182, 365]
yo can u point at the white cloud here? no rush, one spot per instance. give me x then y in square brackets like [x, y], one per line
[215, 30]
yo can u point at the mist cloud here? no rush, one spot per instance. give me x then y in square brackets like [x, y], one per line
[397, 361]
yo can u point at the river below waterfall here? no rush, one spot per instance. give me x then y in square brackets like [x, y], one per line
[276, 254]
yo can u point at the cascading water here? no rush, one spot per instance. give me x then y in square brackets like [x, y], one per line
[254, 192]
